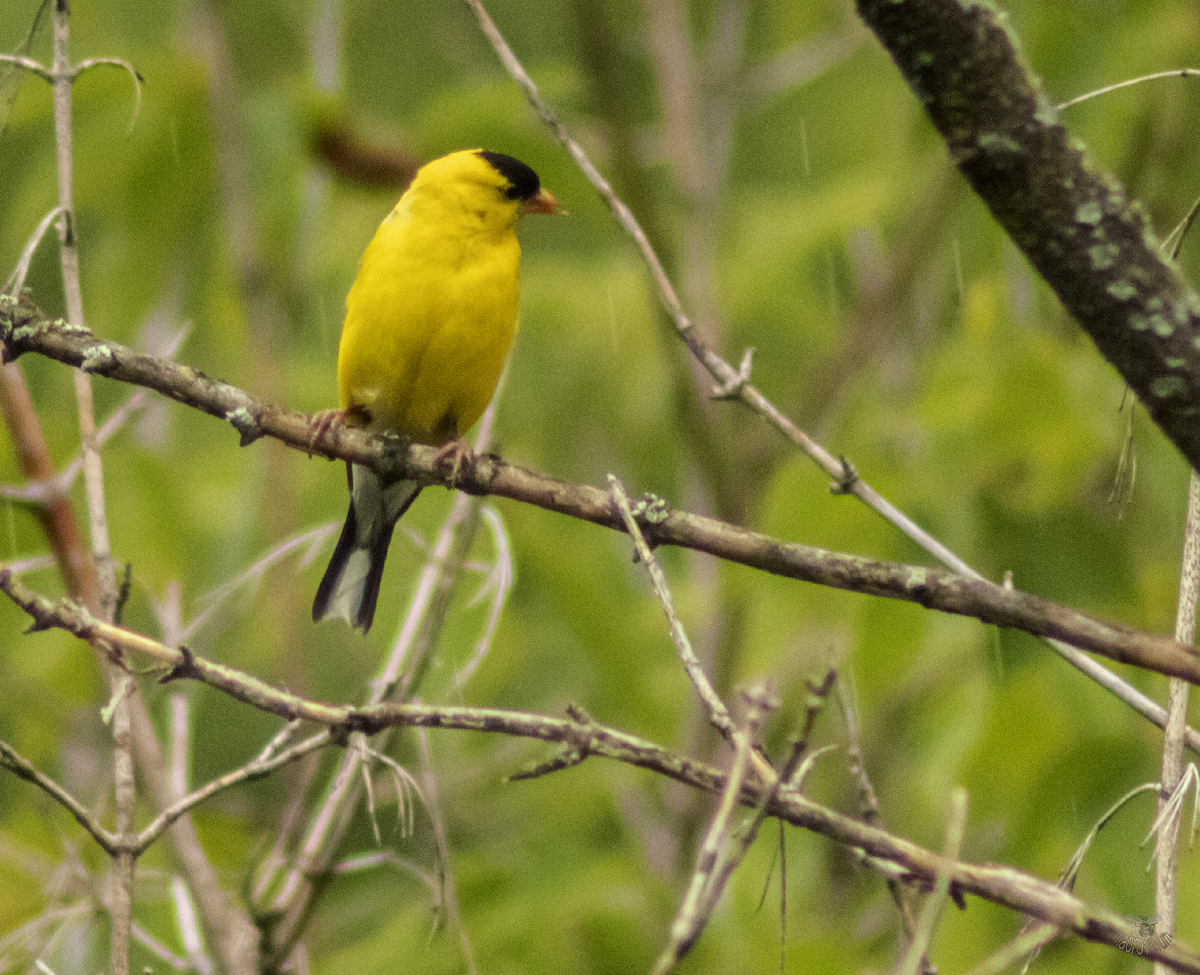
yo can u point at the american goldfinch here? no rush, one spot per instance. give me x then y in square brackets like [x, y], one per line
[429, 323]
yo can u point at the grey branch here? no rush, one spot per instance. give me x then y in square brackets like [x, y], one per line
[902, 859]
[24, 329]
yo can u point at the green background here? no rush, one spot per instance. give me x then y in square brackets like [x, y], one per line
[891, 319]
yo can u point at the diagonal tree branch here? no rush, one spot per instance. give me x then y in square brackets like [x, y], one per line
[1073, 220]
[23, 328]
[259, 767]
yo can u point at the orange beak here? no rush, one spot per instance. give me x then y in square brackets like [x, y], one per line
[542, 202]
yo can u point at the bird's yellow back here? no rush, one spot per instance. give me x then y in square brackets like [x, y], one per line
[433, 313]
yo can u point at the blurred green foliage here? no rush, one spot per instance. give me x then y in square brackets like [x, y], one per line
[891, 318]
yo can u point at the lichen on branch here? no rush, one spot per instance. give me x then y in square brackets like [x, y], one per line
[1073, 220]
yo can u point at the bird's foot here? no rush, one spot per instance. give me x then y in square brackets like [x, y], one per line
[329, 420]
[454, 454]
[322, 423]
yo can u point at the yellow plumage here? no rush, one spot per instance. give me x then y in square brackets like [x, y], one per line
[429, 324]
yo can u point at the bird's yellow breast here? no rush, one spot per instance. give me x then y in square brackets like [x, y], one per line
[432, 315]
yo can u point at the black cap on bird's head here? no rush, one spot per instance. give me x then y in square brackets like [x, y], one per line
[523, 183]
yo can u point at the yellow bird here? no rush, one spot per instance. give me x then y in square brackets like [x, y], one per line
[429, 323]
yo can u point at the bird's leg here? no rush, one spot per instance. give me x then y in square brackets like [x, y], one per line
[454, 453]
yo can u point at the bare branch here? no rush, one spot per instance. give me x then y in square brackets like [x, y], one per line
[24, 769]
[698, 904]
[24, 329]
[138, 81]
[261, 766]
[1156, 76]
[892, 855]
[718, 714]
[1172, 774]
[914, 958]
[16, 280]
[28, 64]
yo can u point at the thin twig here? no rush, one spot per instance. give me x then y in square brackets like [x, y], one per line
[868, 802]
[121, 684]
[22, 767]
[1007, 955]
[158, 949]
[261, 766]
[441, 840]
[1166, 848]
[1177, 73]
[1069, 874]
[718, 714]
[188, 925]
[28, 64]
[914, 959]
[16, 280]
[215, 599]
[697, 904]
[499, 583]
[813, 706]
[760, 701]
